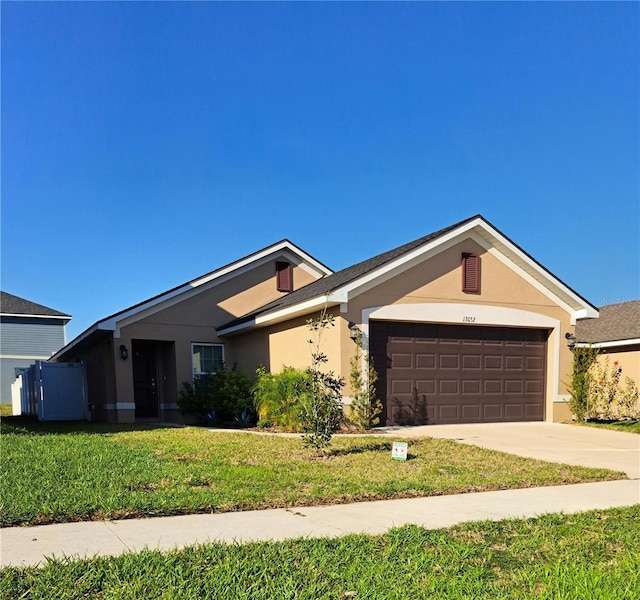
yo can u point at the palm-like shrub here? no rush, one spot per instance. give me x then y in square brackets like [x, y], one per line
[280, 397]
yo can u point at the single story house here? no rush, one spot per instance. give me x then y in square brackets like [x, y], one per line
[462, 325]
[28, 332]
[616, 333]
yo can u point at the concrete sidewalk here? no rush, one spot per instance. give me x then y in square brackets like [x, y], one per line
[30, 545]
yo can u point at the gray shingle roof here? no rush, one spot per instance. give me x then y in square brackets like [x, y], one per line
[340, 278]
[14, 305]
[616, 322]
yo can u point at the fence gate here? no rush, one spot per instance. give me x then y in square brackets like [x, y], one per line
[53, 392]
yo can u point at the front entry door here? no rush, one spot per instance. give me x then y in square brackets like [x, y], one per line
[145, 381]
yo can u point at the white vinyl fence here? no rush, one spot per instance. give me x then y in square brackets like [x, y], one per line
[52, 392]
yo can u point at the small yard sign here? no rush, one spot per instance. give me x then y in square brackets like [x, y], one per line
[399, 450]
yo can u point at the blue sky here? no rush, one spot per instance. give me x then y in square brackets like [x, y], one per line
[145, 144]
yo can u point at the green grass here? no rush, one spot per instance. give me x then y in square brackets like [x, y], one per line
[594, 555]
[67, 472]
[628, 426]
[6, 410]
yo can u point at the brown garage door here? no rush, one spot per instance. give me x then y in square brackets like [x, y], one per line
[431, 373]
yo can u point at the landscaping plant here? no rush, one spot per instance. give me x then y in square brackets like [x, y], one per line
[322, 411]
[365, 406]
[279, 397]
[580, 381]
[225, 394]
[610, 397]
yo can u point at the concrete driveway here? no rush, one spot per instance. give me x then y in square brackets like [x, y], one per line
[554, 442]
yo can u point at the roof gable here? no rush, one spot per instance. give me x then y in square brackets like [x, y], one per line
[348, 283]
[15, 306]
[205, 282]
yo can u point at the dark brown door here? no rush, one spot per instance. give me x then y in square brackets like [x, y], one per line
[145, 383]
[436, 374]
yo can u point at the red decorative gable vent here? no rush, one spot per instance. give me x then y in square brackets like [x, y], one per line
[284, 278]
[470, 272]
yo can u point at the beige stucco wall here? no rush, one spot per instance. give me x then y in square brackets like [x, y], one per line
[287, 344]
[228, 299]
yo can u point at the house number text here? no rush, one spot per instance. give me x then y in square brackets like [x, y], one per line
[468, 319]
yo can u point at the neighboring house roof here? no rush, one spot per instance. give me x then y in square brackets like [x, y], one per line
[617, 323]
[14, 306]
[185, 290]
[339, 287]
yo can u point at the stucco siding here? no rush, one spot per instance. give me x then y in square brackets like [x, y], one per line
[228, 299]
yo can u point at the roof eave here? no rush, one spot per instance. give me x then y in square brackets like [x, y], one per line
[285, 314]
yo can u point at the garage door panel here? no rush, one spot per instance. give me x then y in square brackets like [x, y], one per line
[450, 361]
[476, 373]
[493, 386]
[402, 361]
[514, 363]
[425, 361]
[426, 386]
[449, 387]
[513, 411]
[533, 411]
[471, 386]
[471, 361]
[493, 362]
[448, 412]
[514, 386]
[492, 412]
[534, 363]
[471, 412]
[401, 387]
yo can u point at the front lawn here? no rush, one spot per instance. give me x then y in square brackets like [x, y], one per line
[628, 426]
[72, 472]
[594, 555]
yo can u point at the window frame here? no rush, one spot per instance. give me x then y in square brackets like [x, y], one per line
[197, 374]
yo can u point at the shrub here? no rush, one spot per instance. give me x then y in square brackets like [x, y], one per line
[365, 407]
[225, 394]
[609, 398]
[322, 413]
[580, 381]
[279, 397]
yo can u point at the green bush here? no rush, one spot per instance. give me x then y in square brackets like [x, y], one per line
[279, 397]
[581, 381]
[221, 396]
[610, 397]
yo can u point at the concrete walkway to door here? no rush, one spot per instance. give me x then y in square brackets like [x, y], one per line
[553, 442]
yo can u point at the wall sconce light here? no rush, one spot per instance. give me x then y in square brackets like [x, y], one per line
[354, 332]
[124, 353]
[571, 340]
